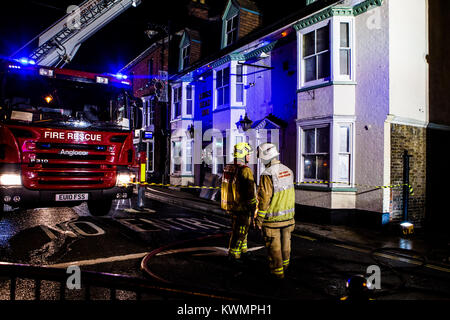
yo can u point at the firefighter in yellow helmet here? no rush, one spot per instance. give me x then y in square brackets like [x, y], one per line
[276, 209]
[238, 198]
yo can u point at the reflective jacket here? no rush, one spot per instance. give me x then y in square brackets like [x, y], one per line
[276, 195]
[238, 190]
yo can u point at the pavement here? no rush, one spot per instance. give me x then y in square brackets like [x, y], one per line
[433, 250]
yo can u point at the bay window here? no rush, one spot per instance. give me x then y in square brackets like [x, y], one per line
[326, 52]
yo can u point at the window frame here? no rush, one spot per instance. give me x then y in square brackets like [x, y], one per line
[216, 88]
[316, 154]
[234, 31]
[185, 55]
[334, 124]
[177, 101]
[334, 52]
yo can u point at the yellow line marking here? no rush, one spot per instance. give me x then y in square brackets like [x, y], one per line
[304, 237]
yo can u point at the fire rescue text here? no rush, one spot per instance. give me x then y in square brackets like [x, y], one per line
[79, 136]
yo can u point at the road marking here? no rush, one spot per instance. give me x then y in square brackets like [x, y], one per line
[99, 260]
[304, 237]
[393, 257]
[131, 210]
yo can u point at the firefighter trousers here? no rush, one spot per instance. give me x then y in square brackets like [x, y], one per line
[278, 244]
[238, 240]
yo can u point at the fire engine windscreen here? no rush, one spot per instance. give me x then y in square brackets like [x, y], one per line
[62, 103]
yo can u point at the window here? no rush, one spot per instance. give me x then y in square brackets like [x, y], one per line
[189, 100]
[177, 94]
[189, 159]
[185, 55]
[223, 86]
[231, 31]
[176, 156]
[218, 160]
[315, 156]
[344, 50]
[316, 54]
[239, 84]
[344, 154]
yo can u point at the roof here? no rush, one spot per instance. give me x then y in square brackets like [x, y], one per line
[259, 33]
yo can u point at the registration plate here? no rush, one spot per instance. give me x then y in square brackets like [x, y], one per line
[72, 197]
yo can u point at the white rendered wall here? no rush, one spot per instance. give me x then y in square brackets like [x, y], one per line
[408, 68]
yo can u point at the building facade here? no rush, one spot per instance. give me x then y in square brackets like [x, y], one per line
[341, 88]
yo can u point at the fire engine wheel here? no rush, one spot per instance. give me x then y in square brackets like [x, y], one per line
[99, 208]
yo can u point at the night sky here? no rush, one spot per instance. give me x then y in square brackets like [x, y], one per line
[112, 47]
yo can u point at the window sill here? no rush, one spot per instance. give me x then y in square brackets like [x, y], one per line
[324, 188]
[325, 84]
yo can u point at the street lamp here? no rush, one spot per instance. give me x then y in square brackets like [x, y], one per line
[152, 31]
[190, 132]
[246, 123]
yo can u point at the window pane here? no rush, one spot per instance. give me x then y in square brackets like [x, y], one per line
[345, 61]
[188, 92]
[226, 76]
[226, 98]
[309, 44]
[234, 22]
[229, 25]
[310, 143]
[179, 94]
[310, 69]
[189, 107]
[239, 74]
[323, 62]
[323, 140]
[323, 168]
[220, 97]
[239, 93]
[344, 133]
[323, 39]
[345, 39]
[309, 167]
[344, 167]
[219, 78]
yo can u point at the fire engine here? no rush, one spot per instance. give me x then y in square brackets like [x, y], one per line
[65, 137]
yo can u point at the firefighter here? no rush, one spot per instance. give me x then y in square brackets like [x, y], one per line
[238, 198]
[276, 209]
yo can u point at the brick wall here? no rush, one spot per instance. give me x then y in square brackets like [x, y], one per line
[248, 22]
[412, 139]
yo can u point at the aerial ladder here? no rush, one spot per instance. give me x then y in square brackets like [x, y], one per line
[59, 43]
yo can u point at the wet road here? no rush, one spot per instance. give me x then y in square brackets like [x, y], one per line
[117, 243]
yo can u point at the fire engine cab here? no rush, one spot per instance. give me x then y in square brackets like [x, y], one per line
[65, 137]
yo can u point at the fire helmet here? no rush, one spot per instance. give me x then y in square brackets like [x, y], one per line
[241, 150]
[267, 151]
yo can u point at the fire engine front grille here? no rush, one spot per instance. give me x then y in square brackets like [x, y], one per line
[71, 166]
[70, 174]
[71, 146]
[57, 156]
[70, 182]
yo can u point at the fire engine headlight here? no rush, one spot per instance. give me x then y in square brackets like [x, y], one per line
[124, 178]
[10, 179]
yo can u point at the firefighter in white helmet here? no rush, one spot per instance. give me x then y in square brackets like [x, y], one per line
[276, 209]
[238, 198]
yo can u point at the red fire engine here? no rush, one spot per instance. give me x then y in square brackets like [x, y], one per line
[65, 137]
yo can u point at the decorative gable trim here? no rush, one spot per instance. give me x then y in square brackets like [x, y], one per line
[338, 11]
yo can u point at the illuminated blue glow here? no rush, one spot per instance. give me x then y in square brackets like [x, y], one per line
[121, 76]
[26, 61]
